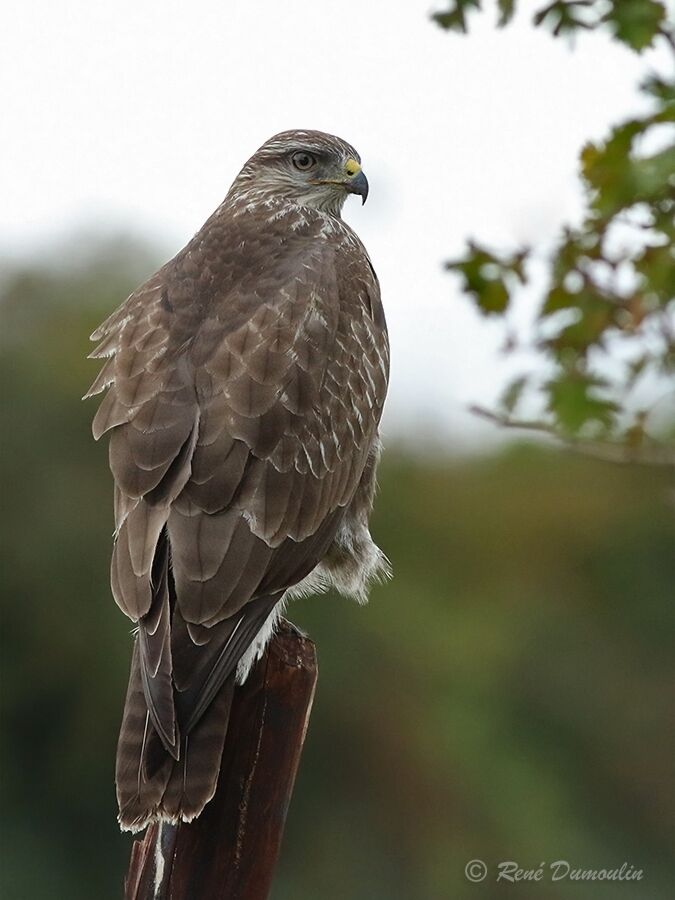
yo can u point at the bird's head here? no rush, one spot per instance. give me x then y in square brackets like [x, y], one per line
[308, 168]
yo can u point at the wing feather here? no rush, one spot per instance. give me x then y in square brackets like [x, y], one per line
[242, 405]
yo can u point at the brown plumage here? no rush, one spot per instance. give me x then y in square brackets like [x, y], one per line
[245, 382]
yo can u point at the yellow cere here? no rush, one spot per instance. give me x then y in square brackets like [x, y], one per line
[352, 167]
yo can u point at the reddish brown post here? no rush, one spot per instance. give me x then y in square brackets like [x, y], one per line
[230, 851]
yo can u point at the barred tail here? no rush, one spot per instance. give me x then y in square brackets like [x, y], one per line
[151, 784]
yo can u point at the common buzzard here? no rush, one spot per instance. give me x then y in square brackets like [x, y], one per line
[245, 382]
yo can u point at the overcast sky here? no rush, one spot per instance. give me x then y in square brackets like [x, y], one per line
[139, 114]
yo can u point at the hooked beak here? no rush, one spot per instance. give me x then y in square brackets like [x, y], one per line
[353, 181]
[358, 184]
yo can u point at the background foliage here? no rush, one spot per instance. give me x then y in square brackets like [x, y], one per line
[605, 322]
[503, 698]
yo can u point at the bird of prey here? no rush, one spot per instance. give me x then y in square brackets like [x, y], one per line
[245, 383]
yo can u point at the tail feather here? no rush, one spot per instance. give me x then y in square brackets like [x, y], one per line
[151, 784]
[138, 793]
[177, 709]
[194, 776]
[154, 645]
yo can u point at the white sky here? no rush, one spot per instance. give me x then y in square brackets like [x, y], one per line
[139, 114]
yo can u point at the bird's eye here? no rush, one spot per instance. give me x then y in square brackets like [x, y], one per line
[303, 160]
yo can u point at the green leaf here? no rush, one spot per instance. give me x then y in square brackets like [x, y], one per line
[618, 179]
[595, 314]
[608, 170]
[487, 277]
[661, 90]
[506, 10]
[573, 400]
[512, 394]
[454, 19]
[564, 16]
[636, 22]
[656, 265]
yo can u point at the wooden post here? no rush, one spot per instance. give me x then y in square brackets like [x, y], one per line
[229, 852]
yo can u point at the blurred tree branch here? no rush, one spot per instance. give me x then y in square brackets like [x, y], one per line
[652, 455]
[610, 294]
